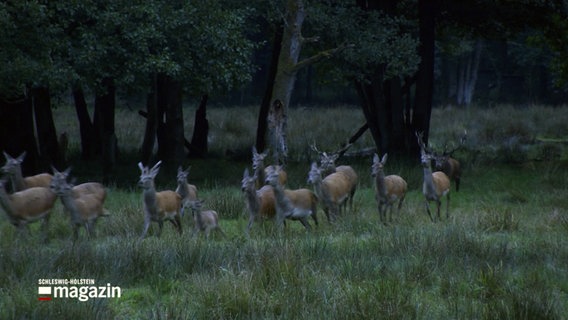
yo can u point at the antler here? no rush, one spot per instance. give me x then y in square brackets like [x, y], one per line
[462, 142]
[420, 138]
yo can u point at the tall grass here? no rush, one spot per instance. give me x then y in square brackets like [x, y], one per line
[502, 254]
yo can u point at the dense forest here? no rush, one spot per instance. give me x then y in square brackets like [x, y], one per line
[393, 59]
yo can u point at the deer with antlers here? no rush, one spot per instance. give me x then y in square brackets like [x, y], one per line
[436, 185]
[450, 166]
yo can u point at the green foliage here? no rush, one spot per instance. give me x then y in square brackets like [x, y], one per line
[202, 44]
[376, 41]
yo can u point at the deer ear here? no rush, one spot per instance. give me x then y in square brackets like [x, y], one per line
[141, 166]
[375, 158]
[246, 173]
[384, 160]
[21, 157]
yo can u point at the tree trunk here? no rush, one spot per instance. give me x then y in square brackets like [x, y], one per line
[200, 130]
[265, 105]
[286, 72]
[49, 153]
[17, 132]
[86, 128]
[427, 11]
[104, 116]
[151, 122]
[170, 121]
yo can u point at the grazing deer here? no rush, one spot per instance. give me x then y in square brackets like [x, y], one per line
[158, 206]
[297, 204]
[204, 220]
[436, 185]
[188, 192]
[13, 168]
[389, 189]
[260, 203]
[327, 165]
[450, 166]
[333, 190]
[27, 206]
[84, 208]
[260, 171]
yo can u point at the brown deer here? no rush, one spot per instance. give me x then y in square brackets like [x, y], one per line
[84, 208]
[204, 220]
[27, 206]
[328, 167]
[13, 169]
[260, 170]
[188, 192]
[436, 185]
[450, 166]
[389, 189]
[333, 190]
[158, 206]
[297, 204]
[260, 203]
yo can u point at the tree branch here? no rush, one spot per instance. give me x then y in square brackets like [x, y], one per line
[319, 56]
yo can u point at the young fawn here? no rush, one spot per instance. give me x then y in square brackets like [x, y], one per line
[389, 189]
[204, 220]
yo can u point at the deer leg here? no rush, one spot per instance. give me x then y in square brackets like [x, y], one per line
[146, 226]
[306, 224]
[314, 216]
[160, 226]
[178, 222]
[438, 205]
[44, 230]
[448, 206]
[428, 210]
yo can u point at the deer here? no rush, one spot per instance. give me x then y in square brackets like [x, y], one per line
[27, 206]
[327, 165]
[436, 185]
[204, 220]
[158, 206]
[260, 203]
[260, 171]
[84, 207]
[299, 204]
[333, 190]
[60, 178]
[13, 169]
[188, 192]
[388, 190]
[450, 166]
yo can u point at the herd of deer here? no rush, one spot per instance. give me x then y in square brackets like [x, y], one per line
[32, 198]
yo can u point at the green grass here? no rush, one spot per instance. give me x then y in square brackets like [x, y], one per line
[503, 254]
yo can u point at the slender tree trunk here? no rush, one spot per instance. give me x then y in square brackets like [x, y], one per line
[171, 140]
[86, 128]
[427, 12]
[151, 122]
[200, 130]
[46, 134]
[265, 105]
[104, 114]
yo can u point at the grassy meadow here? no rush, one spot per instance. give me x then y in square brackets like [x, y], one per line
[502, 254]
